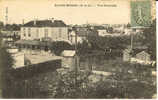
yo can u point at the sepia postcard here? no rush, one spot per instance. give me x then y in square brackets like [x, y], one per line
[78, 49]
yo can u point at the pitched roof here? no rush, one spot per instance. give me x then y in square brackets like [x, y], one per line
[45, 23]
[143, 53]
[68, 53]
[99, 28]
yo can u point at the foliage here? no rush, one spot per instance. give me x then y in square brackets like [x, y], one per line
[6, 62]
[58, 46]
[150, 39]
[125, 80]
[84, 47]
[110, 29]
[128, 25]
[12, 27]
[111, 42]
[68, 87]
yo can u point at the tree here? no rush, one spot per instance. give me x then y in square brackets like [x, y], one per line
[128, 25]
[6, 62]
[67, 87]
[102, 43]
[150, 39]
[84, 47]
[110, 29]
[58, 46]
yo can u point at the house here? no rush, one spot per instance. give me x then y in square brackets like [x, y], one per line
[142, 57]
[130, 53]
[36, 64]
[68, 60]
[138, 55]
[127, 31]
[43, 30]
[127, 55]
[39, 34]
[33, 45]
[102, 31]
[82, 34]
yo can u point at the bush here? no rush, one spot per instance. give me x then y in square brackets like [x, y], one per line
[6, 63]
[59, 46]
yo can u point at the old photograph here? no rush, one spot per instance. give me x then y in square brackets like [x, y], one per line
[78, 49]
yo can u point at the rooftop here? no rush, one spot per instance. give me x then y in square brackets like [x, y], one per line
[45, 23]
[35, 59]
[68, 53]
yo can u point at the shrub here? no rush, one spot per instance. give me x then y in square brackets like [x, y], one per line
[58, 46]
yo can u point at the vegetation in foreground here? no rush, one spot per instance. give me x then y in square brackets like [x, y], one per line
[122, 83]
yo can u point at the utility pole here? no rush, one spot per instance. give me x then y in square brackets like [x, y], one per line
[76, 65]
[6, 16]
[131, 40]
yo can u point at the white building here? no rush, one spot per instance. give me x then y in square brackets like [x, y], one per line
[102, 32]
[53, 30]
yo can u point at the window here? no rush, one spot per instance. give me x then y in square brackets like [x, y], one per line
[37, 32]
[45, 32]
[29, 32]
[59, 32]
[52, 32]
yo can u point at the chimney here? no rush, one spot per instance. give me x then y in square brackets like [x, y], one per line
[23, 21]
[52, 19]
[34, 22]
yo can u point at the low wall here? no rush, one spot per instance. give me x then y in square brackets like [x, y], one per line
[31, 70]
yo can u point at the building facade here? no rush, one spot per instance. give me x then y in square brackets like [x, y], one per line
[143, 56]
[53, 30]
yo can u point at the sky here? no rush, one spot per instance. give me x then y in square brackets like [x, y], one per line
[44, 9]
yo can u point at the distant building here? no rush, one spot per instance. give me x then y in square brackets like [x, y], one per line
[137, 55]
[52, 30]
[127, 55]
[102, 32]
[127, 31]
[143, 56]
[82, 34]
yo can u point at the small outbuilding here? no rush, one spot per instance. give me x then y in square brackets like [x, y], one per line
[68, 60]
[127, 55]
[144, 56]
